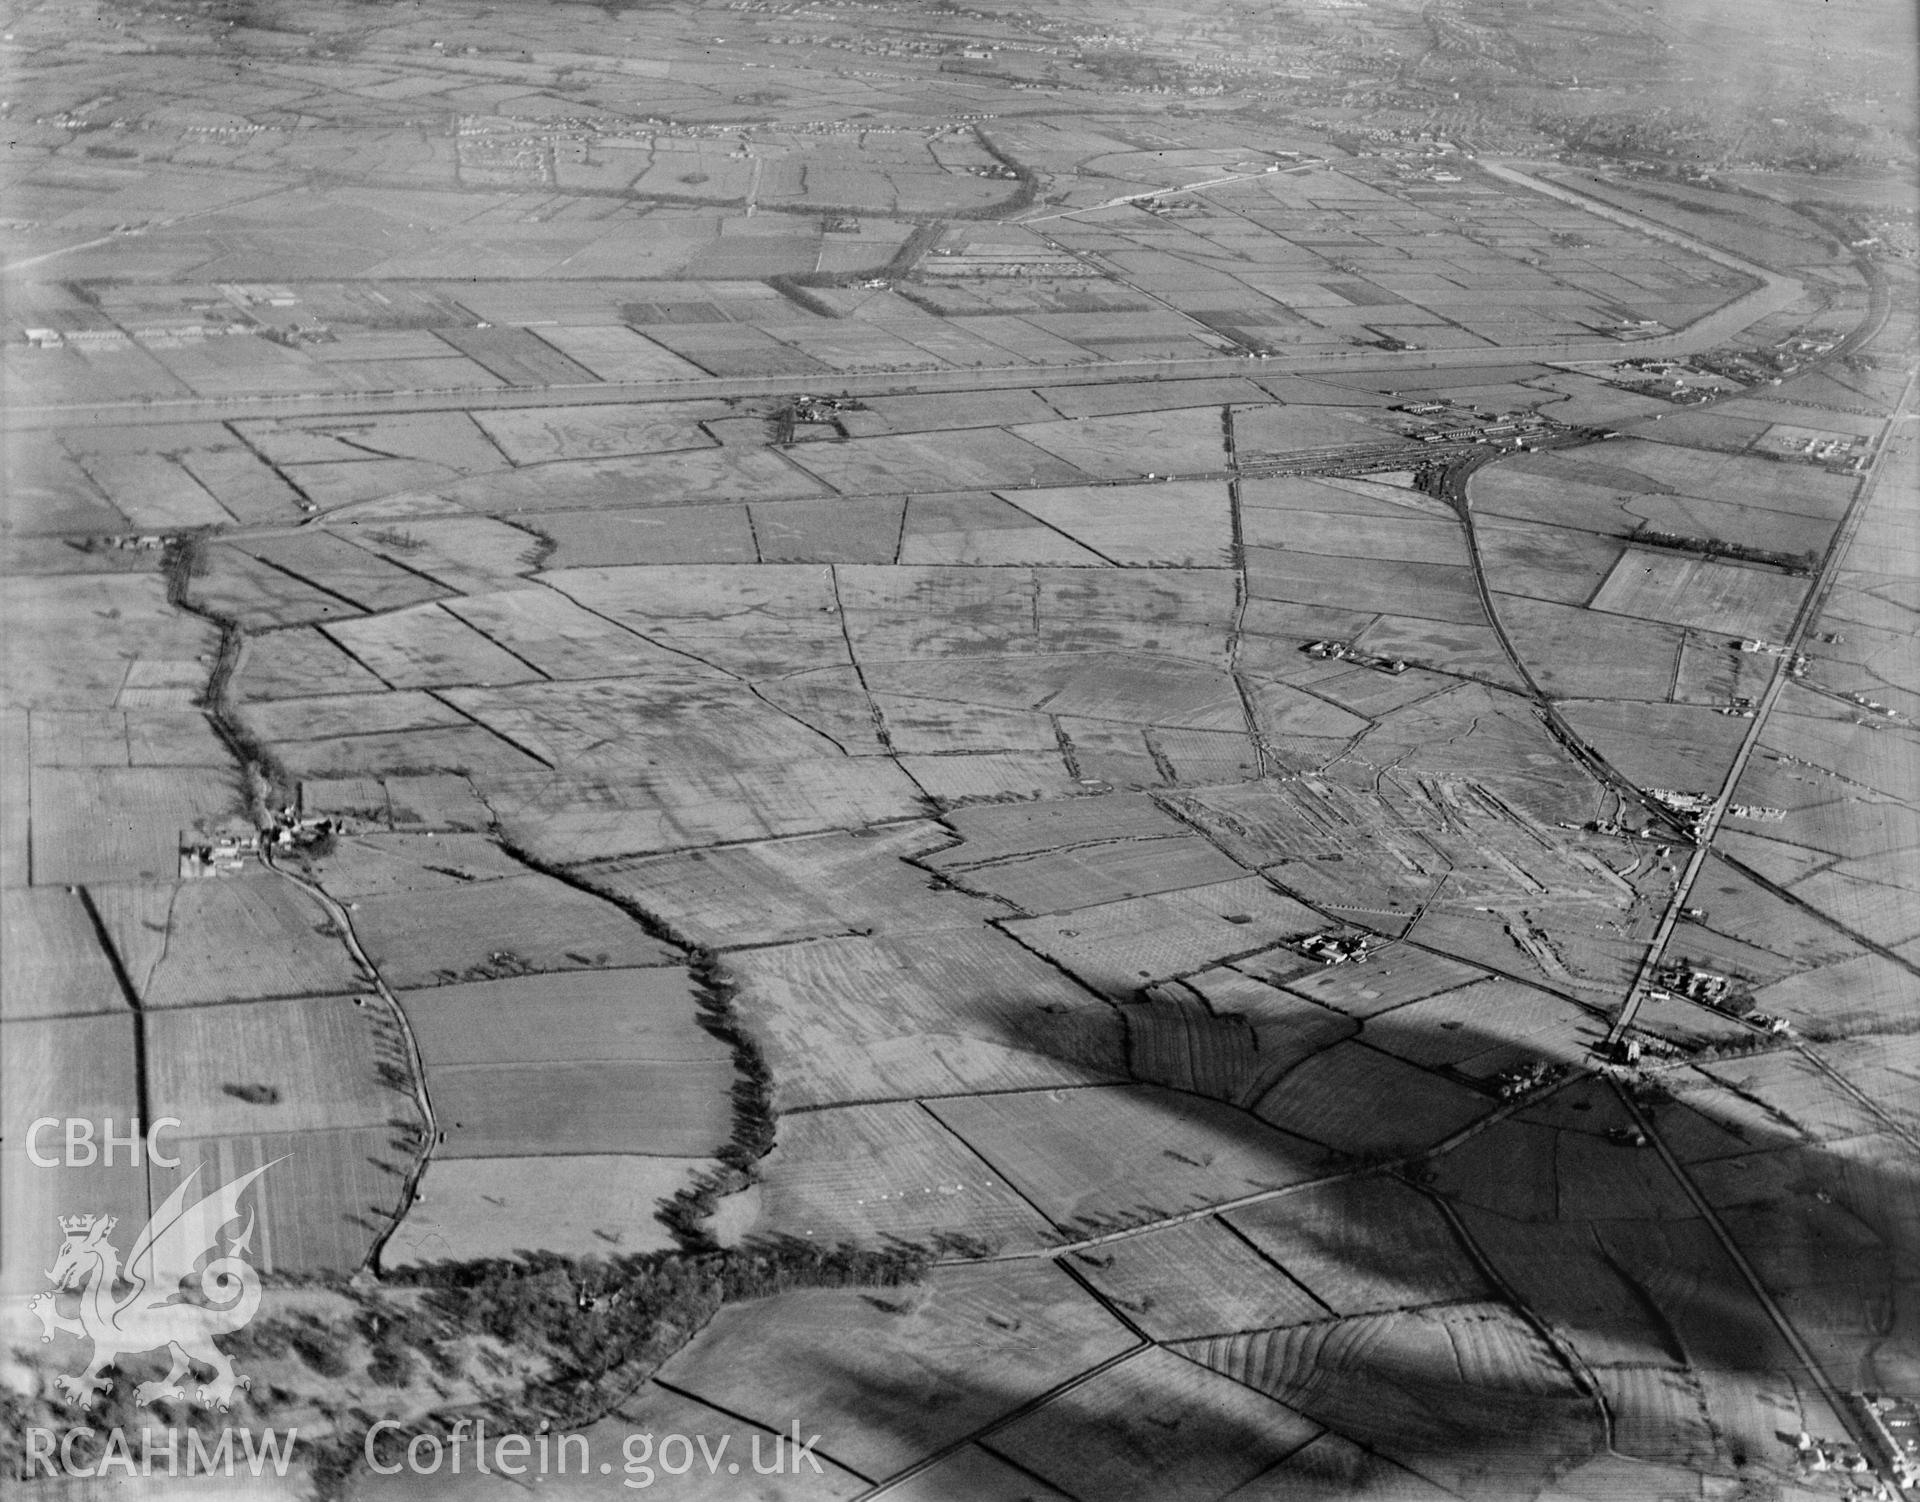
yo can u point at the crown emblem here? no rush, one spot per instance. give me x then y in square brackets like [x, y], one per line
[73, 1225]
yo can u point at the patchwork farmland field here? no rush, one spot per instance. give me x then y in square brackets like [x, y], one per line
[53, 964]
[1055, 1147]
[1081, 753]
[595, 1204]
[273, 1066]
[528, 922]
[1690, 592]
[195, 942]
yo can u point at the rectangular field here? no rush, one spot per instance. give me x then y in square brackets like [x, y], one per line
[982, 1340]
[1405, 538]
[765, 621]
[371, 863]
[1746, 479]
[560, 638]
[274, 1066]
[871, 1173]
[862, 530]
[1117, 946]
[336, 565]
[1684, 746]
[647, 809]
[1751, 526]
[69, 1067]
[930, 726]
[1360, 1101]
[153, 492]
[610, 724]
[1127, 689]
[1205, 756]
[1208, 1437]
[975, 528]
[1587, 654]
[425, 647]
[577, 1206]
[1456, 1391]
[325, 1197]
[538, 435]
[986, 460]
[175, 737]
[1182, 441]
[110, 628]
[927, 1014]
[16, 799]
[1331, 1469]
[436, 801]
[650, 535]
[614, 352]
[1659, 1416]
[986, 776]
[995, 832]
[971, 409]
[1200, 1050]
[1089, 875]
[74, 845]
[1148, 396]
[607, 1016]
[1560, 1270]
[461, 749]
[231, 939]
[1290, 496]
[683, 477]
[1432, 591]
[517, 357]
[307, 719]
[1183, 523]
[681, 1109]
[52, 964]
[776, 890]
[298, 664]
[1553, 563]
[832, 701]
[1194, 1280]
[1057, 1148]
[527, 922]
[1482, 1029]
[1685, 591]
[450, 439]
[470, 554]
[244, 485]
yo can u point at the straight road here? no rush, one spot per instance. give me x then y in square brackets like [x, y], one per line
[1774, 293]
[1211, 182]
[416, 1063]
[1803, 624]
[22, 415]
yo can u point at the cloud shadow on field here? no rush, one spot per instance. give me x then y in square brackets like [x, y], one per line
[1542, 1302]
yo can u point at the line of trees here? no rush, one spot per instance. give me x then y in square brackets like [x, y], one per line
[268, 782]
[1716, 547]
[603, 1325]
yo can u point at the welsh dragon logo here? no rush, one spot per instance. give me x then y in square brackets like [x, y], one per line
[141, 1305]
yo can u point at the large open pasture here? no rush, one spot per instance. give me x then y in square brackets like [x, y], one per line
[962, 730]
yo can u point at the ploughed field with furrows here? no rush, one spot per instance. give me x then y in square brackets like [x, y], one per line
[1022, 875]
[1359, 918]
